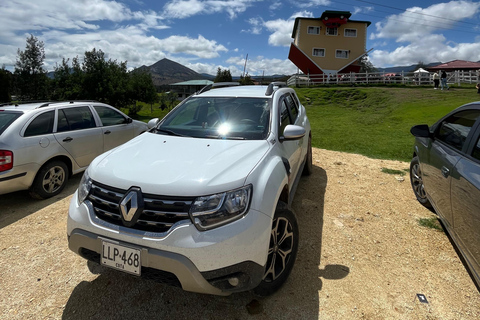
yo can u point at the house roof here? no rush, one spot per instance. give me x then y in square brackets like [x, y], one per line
[456, 65]
[327, 13]
[193, 83]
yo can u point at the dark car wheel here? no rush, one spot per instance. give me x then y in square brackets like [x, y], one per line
[417, 183]
[308, 168]
[50, 180]
[282, 252]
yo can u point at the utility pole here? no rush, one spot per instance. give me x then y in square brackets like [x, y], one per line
[245, 66]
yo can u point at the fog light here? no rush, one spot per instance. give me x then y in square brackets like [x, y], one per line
[233, 282]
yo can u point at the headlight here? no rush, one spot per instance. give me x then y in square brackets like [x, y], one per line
[84, 187]
[218, 209]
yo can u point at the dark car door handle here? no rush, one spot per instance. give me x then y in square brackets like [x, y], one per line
[67, 139]
[107, 132]
[445, 172]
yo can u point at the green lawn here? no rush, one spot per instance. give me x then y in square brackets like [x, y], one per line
[376, 122]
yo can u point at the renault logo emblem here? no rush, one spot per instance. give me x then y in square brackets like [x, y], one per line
[131, 206]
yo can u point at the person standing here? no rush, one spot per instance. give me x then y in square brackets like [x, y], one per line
[443, 78]
[436, 80]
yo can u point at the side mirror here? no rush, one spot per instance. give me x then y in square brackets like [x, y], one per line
[129, 120]
[152, 123]
[421, 131]
[293, 132]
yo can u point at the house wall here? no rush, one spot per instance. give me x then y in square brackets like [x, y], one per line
[308, 42]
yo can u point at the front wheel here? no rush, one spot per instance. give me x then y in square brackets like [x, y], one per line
[416, 180]
[282, 252]
[50, 180]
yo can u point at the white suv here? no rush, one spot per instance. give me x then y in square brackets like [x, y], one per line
[202, 200]
[42, 144]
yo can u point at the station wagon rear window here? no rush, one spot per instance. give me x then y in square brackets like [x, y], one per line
[7, 118]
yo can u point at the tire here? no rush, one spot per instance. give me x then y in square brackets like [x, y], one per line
[50, 180]
[308, 168]
[283, 243]
[416, 181]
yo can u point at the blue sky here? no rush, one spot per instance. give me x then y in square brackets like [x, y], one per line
[206, 34]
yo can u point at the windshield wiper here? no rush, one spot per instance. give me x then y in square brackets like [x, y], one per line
[225, 137]
[170, 132]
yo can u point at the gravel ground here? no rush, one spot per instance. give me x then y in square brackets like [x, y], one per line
[362, 255]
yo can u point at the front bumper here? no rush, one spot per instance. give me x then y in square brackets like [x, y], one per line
[205, 262]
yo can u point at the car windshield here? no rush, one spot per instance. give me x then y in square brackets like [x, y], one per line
[7, 118]
[219, 118]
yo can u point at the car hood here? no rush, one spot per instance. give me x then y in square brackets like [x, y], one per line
[170, 165]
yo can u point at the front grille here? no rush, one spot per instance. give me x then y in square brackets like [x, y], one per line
[160, 213]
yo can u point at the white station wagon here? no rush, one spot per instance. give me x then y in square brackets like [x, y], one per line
[42, 144]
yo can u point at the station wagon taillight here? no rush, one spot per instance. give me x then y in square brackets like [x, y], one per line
[6, 160]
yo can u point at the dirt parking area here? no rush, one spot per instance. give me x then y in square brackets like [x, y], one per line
[362, 255]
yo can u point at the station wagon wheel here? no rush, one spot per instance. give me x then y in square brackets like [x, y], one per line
[417, 183]
[50, 180]
[282, 252]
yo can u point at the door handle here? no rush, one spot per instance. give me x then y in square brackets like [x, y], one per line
[67, 139]
[445, 172]
[107, 132]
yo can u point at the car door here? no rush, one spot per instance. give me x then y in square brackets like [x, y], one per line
[78, 134]
[445, 150]
[116, 128]
[466, 203]
[291, 150]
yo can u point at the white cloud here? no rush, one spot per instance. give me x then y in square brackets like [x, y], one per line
[259, 65]
[421, 32]
[310, 3]
[181, 9]
[281, 29]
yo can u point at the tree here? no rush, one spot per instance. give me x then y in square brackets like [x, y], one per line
[247, 80]
[31, 77]
[419, 65]
[141, 88]
[6, 79]
[366, 65]
[223, 76]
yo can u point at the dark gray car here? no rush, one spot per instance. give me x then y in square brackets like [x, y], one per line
[445, 176]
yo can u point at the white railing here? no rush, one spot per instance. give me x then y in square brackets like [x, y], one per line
[407, 78]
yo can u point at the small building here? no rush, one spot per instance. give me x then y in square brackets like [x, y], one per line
[187, 88]
[330, 44]
[455, 65]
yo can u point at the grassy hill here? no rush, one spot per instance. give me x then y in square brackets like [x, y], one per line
[376, 122]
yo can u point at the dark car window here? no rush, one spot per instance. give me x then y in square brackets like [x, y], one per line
[454, 130]
[75, 119]
[109, 116]
[293, 107]
[42, 124]
[476, 150]
[284, 116]
[6, 119]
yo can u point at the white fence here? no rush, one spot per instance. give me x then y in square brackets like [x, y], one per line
[407, 78]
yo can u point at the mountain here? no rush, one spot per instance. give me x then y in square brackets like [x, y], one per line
[165, 72]
[410, 68]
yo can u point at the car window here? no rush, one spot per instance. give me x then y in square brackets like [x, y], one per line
[42, 124]
[109, 116]
[75, 119]
[293, 107]
[6, 119]
[454, 130]
[284, 116]
[476, 150]
[219, 117]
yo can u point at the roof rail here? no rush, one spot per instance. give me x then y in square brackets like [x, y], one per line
[271, 86]
[218, 85]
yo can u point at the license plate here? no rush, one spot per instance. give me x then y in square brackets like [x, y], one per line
[121, 258]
